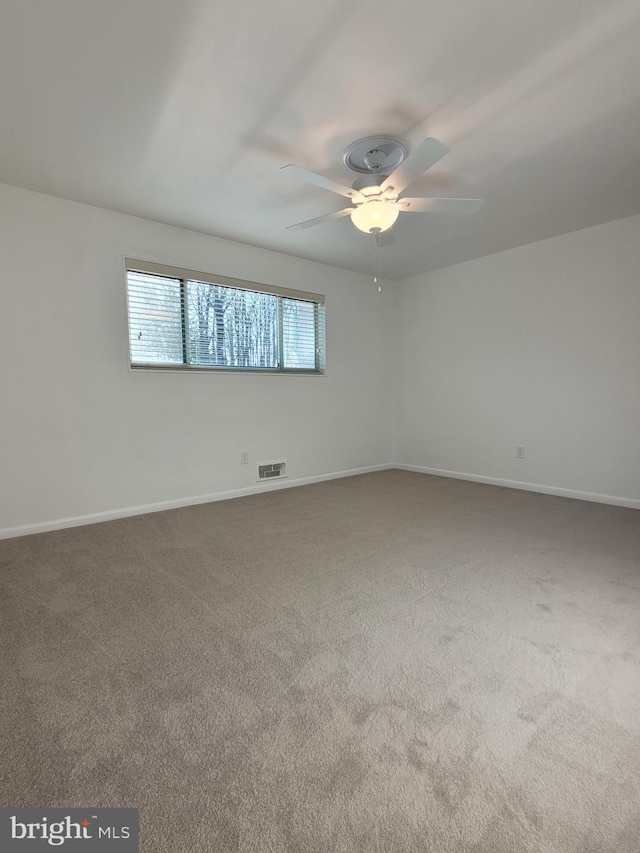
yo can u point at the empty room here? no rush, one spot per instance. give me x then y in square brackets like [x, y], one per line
[319, 426]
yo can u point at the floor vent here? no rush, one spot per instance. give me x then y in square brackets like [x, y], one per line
[272, 471]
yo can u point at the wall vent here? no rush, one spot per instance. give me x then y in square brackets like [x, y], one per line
[271, 471]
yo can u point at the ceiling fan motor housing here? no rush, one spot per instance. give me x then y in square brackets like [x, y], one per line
[370, 180]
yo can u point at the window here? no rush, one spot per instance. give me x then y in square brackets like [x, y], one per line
[185, 319]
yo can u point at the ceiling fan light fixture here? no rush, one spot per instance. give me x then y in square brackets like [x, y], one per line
[375, 216]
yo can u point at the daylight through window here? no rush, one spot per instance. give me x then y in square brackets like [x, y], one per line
[184, 319]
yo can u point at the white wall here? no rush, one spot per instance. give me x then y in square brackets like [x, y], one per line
[81, 434]
[537, 346]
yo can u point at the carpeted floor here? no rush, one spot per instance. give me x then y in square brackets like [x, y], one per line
[391, 662]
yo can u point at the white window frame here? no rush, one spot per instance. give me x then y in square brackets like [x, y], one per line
[185, 275]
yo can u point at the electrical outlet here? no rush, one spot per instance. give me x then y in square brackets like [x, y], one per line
[244, 457]
[519, 451]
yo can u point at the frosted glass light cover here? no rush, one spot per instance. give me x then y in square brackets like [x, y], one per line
[374, 214]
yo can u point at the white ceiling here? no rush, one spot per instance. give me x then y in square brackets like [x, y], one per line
[183, 112]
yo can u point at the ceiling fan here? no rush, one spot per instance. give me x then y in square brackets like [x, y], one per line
[376, 200]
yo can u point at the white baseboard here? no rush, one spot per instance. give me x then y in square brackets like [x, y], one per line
[527, 487]
[126, 512]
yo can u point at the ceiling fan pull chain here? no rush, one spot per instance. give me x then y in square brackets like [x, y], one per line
[376, 258]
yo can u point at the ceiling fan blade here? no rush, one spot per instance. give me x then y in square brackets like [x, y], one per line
[439, 205]
[299, 226]
[308, 177]
[424, 157]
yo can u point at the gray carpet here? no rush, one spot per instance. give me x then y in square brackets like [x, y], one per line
[391, 662]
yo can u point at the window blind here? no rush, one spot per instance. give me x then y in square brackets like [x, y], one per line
[182, 321]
